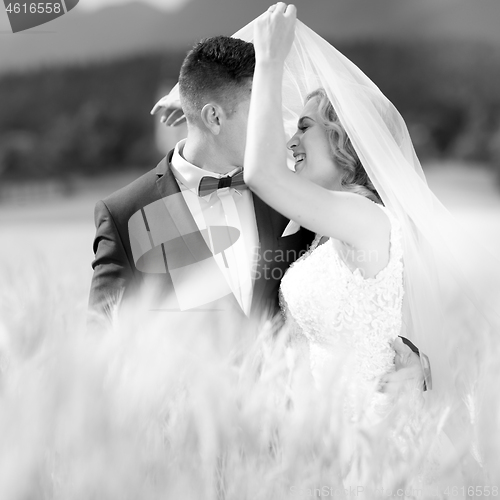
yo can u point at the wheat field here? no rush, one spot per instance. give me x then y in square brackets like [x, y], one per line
[164, 407]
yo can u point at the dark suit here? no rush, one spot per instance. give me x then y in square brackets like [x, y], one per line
[116, 259]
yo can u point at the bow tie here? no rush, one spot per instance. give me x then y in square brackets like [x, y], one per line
[210, 184]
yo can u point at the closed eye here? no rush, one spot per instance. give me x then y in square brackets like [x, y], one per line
[304, 123]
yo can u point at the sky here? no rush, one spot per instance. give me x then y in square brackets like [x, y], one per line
[93, 5]
[162, 4]
[99, 29]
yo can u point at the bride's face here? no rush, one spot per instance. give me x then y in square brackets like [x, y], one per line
[312, 150]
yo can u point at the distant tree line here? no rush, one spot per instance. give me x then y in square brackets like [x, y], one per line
[448, 93]
[82, 119]
[94, 118]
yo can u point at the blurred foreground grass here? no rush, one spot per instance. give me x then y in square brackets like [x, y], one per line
[164, 408]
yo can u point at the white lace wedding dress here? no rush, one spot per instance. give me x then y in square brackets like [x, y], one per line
[349, 322]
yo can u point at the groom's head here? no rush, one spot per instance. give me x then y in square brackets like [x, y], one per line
[215, 84]
[217, 70]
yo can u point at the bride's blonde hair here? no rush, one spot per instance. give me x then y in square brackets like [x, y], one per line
[355, 178]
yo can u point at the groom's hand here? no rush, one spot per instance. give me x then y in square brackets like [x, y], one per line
[171, 111]
[409, 371]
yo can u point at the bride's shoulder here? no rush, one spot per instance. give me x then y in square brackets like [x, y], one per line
[395, 230]
[356, 220]
[379, 220]
[390, 217]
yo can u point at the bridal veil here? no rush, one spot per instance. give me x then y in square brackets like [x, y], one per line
[442, 284]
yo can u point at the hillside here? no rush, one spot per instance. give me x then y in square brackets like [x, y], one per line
[86, 119]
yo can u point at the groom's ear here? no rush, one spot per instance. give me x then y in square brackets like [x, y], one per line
[211, 117]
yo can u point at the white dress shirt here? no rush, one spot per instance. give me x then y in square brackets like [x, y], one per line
[291, 228]
[224, 207]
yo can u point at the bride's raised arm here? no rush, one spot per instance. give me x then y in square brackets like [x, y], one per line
[313, 200]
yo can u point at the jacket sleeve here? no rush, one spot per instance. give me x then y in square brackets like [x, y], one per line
[113, 273]
[424, 360]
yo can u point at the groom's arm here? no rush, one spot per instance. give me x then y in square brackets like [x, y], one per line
[112, 270]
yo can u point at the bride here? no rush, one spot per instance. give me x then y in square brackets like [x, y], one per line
[346, 294]
[384, 244]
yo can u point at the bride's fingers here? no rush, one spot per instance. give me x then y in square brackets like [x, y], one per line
[291, 11]
[280, 8]
[287, 10]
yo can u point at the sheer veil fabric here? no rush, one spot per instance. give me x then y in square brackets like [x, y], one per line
[438, 254]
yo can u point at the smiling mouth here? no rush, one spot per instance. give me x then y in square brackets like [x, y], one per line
[299, 158]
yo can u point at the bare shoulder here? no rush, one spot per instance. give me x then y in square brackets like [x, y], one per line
[371, 251]
[379, 230]
[379, 217]
[372, 220]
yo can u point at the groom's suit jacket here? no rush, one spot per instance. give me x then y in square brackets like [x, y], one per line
[145, 233]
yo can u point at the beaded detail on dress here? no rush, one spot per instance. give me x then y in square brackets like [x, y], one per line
[343, 314]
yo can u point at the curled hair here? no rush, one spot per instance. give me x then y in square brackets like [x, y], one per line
[218, 68]
[354, 179]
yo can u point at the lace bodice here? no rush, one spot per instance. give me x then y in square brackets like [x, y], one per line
[343, 314]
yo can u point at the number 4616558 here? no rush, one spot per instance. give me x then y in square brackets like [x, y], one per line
[34, 8]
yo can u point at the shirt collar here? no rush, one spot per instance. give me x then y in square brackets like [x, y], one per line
[190, 175]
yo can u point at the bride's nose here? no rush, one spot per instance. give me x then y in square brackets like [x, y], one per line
[293, 142]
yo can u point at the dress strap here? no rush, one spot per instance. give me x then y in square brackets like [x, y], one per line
[315, 242]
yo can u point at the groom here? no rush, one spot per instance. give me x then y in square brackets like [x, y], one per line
[190, 227]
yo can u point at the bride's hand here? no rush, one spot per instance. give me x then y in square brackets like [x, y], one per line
[274, 32]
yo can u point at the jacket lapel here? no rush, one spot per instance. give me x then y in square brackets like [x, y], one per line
[190, 246]
[269, 223]
[180, 215]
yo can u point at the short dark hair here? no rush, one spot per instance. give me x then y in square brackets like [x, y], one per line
[216, 68]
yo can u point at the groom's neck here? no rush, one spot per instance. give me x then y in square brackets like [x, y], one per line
[207, 154]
